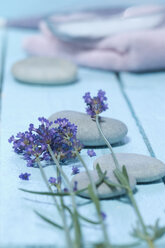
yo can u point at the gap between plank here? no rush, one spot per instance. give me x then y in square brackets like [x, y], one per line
[3, 57]
[138, 123]
[3, 53]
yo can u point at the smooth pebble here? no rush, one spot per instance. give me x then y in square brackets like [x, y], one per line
[88, 133]
[104, 191]
[44, 70]
[143, 168]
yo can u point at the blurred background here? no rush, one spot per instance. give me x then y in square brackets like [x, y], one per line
[19, 8]
[93, 33]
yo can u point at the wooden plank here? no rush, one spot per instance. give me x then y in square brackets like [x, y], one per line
[23, 104]
[146, 94]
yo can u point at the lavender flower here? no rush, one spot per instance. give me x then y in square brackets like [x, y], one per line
[97, 104]
[104, 216]
[91, 153]
[52, 180]
[66, 143]
[55, 181]
[65, 190]
[11, 139]
[24, 176]
[75, 170]
[65, 127]
[33, 144]
[75, 186]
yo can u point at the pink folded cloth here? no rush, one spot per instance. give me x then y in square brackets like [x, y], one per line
[138, 50]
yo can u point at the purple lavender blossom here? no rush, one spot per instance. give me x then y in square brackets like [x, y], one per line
[97, 104]
[75, 186]
[33, 144]
[75, 170]
[66, 143]
[52, 180]
[11, 139]
[104, 216]
[91, 153]
[55, 181]
[65, 190]
[24, 176]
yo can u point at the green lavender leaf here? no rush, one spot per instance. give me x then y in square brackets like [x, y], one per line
[70, 212]
[112, 185]
[125, 173]
[77, 229]
[138, 233]
[68, 209]
[100, 181]
[84, 203]
[102, 245]
[126, 246]
[159, 233]
[119, 175]
[156, 230]
[153, 232]
[44, 193]
[88, 220]
[49, 221]
[50, 193]
[99, 171]
[103, 176]
[106, 181]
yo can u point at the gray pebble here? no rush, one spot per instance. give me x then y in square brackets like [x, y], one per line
[143, 168]
[104, 191]
[44, 70]
[88, 133]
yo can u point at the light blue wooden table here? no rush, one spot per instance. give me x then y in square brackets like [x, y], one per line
[136, 99]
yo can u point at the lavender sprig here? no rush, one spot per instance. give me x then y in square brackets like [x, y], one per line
[60, 209]
[95, 106]
[67, 133]
[33, 145]
[93, 191]
[78, 241]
